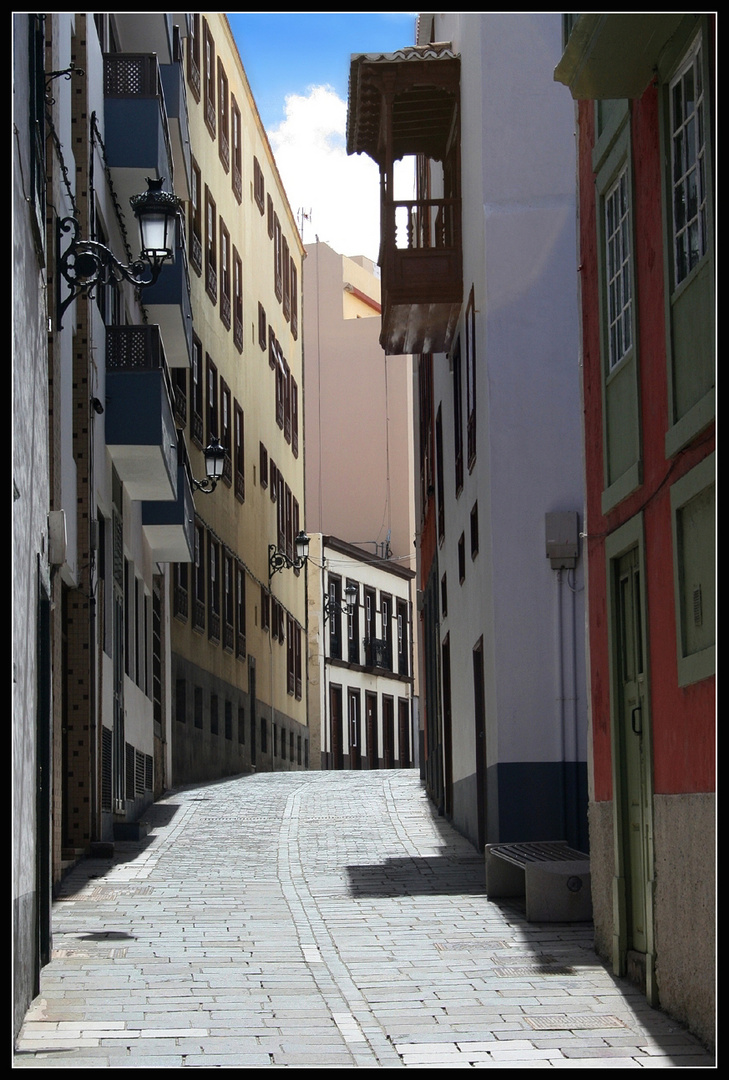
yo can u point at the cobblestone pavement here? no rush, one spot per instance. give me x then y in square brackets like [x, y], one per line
[321, 920]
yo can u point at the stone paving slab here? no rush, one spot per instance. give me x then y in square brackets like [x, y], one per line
[327, 920]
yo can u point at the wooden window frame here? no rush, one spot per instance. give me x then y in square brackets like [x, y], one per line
[239, 435]
[237, 300]
[223, 117]
[211, 246]
[236, 137]
[209, 79]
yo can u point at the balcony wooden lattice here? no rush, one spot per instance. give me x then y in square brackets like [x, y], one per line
[407, 104]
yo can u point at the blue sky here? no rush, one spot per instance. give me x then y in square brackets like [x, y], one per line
[285, 53]
[298, 68]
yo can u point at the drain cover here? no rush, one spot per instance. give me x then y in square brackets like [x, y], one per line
[565, 1022]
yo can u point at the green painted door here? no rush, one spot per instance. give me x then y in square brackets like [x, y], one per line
[632, 748]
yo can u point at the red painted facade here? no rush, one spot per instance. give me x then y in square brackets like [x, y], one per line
[683, 718]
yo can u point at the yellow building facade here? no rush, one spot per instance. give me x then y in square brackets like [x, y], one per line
[238, 638]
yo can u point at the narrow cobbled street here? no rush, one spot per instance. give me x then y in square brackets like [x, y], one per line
[321, 920]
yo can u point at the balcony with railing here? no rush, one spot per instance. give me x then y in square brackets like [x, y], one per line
[406, 104]
[169, 526]
[136, 128]
[140, 426]
[377, 653]
[168, 305]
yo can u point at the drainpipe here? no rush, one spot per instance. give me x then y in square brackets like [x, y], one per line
[560, 700]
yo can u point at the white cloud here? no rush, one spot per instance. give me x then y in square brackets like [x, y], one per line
[342, 192]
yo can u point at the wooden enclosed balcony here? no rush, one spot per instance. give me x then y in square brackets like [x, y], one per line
[407, 104]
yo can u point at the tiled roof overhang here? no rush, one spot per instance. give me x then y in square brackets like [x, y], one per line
[424, 81]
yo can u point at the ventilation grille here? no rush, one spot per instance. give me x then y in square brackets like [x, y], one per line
[106, 741]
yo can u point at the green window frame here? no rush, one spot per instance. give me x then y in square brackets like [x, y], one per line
[687, 152]
[622, 443]
[693, 520]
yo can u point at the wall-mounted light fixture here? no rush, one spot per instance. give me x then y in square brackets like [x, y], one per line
[279, 560]
[345, 606]
[86, 263]
[214, 455]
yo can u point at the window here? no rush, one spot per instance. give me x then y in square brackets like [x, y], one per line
[689, 161]
[277, 270]
[225, 429]
[259, 189]
[693, 508]
[225, 299]
[617, 271]
[237, 301]
[196, 393]
[688, 107]
[214, 584]
[353, 628]
[209, 78]
[470, 336]
[457, 416]
[263, 465]
[196, 242]
[198, 574]
[272, 349]
[386, 618]
[289, 524]
[211, 247]
[228, 601]
[262, 339]
[290, 655]
[286, 278]
[294, 397]
[287, 401]
[269, 208]
[237, 155]
[474, 530]
[281, 510]
[240, 454]
[37, 133]
[402, 638]
[212, 400]
[241, 725]
[265, 609]
[294, 288]
[439, 474]
[444, 596]
[224, 118]
[335, 618]
[193, 56]
[622, 464]
[280, 388]
[229, 720]
[240, 611]
[181, 594]
[198, 707]
[462, 558]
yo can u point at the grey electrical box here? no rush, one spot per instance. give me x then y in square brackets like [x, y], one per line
[562, 538]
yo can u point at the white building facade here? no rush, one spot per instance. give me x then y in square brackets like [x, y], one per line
[479, 282]
[360, 658]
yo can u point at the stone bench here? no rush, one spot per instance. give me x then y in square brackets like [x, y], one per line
[554, 878]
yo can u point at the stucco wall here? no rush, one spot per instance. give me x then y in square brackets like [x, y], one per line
[685, 908]
[602, 861]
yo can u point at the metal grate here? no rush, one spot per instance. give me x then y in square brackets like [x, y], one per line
[566, 1022]
[130, 765]
[106, 743]
[139, 770]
